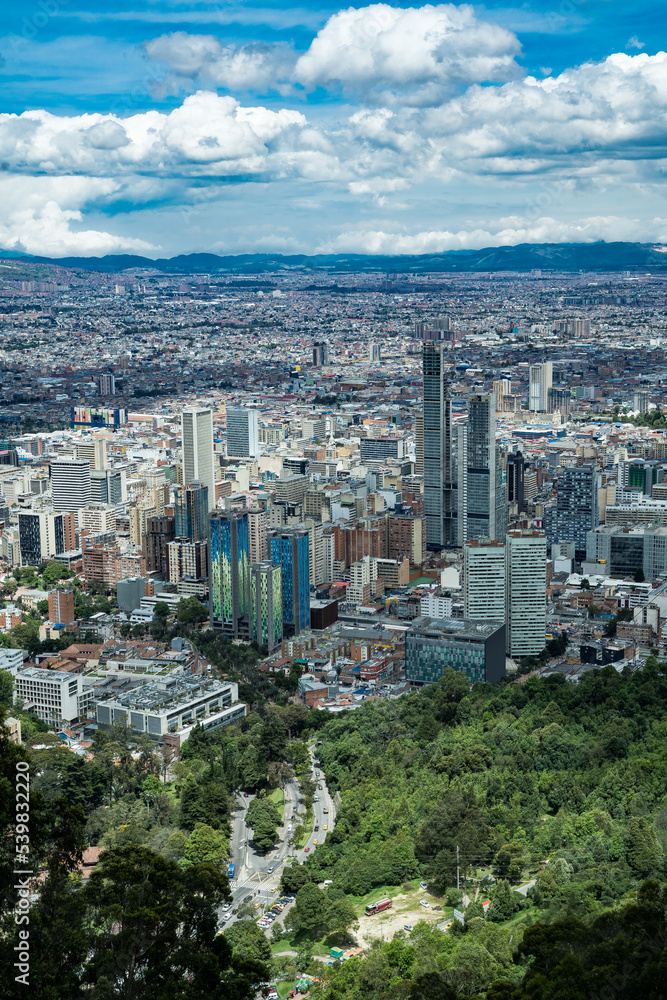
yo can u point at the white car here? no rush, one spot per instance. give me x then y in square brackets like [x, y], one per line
[226, 907]
[423, 885]
[408, 927]
[424, 903]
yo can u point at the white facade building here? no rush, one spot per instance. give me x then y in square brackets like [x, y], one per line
[197, 431]
[526, 592]
[484, 580]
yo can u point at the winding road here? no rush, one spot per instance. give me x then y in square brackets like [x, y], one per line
[259, 874]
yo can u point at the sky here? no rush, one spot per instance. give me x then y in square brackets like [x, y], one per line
[163, 127]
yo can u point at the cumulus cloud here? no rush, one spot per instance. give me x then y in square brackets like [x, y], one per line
[425, 51]
[207, 135]
[507, 232]
[205, 60]
[40, 216]
[614, 109]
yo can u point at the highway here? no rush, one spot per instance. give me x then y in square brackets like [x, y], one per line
[258, 874]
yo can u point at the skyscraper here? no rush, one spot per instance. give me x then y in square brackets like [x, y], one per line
[526, 592]
[191, 509]
[289, 550]
[516, 466]
[197, 431]
[577, 510]
[320, 353]
[484, 580]
[419, 444]
[242, 433]
[44, 534]
[70, 484]
[481, 491]
[540, 381]
[266, 607]
[439, 473]
[229, 582]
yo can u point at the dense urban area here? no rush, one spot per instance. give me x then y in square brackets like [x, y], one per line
[333, 612]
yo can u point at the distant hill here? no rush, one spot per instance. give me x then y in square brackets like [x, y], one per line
[603, 257]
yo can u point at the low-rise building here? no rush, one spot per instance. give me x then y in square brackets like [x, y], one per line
[475, 648]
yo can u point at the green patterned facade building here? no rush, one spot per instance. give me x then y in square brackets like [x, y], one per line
[266, 605]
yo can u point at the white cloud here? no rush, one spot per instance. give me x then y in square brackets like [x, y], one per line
[39, 216]
[207, 136]
[204, 59]
[506, 232]
[427, 51]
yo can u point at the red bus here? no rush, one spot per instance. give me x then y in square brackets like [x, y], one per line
[382, 904]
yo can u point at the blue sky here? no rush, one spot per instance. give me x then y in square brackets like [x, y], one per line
[164, 127]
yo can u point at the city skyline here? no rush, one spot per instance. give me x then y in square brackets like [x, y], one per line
[382, 128]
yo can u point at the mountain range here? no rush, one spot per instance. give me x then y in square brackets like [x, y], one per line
[572, 257]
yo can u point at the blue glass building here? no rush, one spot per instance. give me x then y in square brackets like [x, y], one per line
[289, 550]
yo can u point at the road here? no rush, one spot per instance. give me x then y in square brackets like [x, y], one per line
[258, 873]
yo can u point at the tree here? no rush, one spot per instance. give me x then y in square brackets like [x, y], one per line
[505, 902]
[161, 610]
[191, 611]
[310, 911]
[206, 846]
[264, 819]
[153, 926]
[341, 917]
[6, 689]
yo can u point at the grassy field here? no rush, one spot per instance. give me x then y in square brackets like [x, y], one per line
[278, 796]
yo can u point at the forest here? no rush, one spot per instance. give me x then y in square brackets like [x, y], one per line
[542, 784]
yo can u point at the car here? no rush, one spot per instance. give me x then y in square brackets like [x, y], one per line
[325, 810]
[306, 849]
[257, 905]
[245, 795]
[235, 910]
[316, 841]
[275, 889]
[316, 827]
[423, 885]
[424, 903]
[326, 827]
[226, 907]
[226, 917]
[408, 927]
[246, 899]
[437, 907]
[271, 870]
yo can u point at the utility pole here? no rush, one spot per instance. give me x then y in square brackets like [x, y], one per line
[457, 867]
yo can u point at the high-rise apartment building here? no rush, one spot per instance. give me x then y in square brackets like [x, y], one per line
[61, 606]
[320, 353]
[289, 550]
[242, 433]
[640, 400]
[540, 380]
[258, 525]
[188, 565]
[526, 592]
[70, 484]
[374, 351]
[191, 509]
[44, 534]
[439, 471]
[106, 385]
[159, 532]
[266, 606]
[93, 451]
[108, 486]
[98, 518]
[229, 580]
[577, 508]
[197, 431]
[484, 580]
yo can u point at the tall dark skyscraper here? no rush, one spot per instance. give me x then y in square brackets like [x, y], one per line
[577, 510]
[516, 465]
[191, 505]
[482, 507]
[439, 471]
